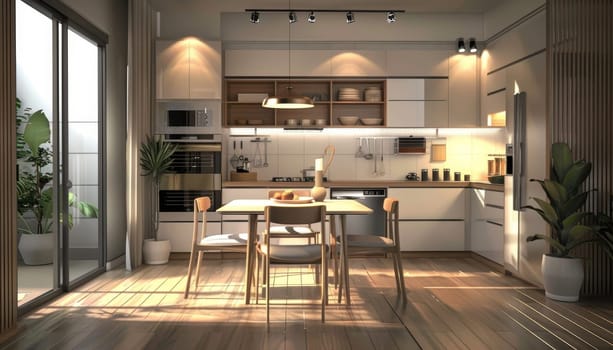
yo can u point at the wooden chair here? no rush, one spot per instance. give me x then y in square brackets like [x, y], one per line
[293, 231]
[303, 254]
[363, 245]
[201, 242]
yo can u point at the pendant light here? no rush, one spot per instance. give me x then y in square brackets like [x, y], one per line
[289, 102]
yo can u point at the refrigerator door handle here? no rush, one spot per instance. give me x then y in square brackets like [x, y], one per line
[518, 149]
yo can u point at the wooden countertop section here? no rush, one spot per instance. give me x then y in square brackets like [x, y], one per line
[376, 183]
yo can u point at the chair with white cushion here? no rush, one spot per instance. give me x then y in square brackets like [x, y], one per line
[231, 242]
[293, 231]
[304, 254]
[364, 245]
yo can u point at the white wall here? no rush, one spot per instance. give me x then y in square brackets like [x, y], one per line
[288, 154]
[506, 14]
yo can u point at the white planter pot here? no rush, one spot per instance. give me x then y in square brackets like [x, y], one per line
[156, 252]
[562, 277]
[37, 249]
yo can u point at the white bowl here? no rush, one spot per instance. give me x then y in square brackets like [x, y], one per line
[348, 120]
[305, 122]
[371, 121]
[321, 122]
[291, 122]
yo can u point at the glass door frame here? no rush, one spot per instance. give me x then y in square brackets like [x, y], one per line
[64, 18]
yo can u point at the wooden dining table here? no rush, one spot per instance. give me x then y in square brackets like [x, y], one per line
[334, 208]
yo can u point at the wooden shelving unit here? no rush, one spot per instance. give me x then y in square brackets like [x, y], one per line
[325, 93]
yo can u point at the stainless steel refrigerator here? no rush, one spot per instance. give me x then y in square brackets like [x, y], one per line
[527, 159]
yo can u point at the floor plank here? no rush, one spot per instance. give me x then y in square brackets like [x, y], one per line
[453, 303]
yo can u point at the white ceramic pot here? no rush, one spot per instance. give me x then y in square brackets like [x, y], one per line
[562, 277]
[156, 252]
[37, 249]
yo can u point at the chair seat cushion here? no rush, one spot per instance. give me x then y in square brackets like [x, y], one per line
[369, 241]
[294, 230]
[226, 239]
[293, 254]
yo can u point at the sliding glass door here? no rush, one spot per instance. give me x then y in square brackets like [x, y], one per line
[60, 113]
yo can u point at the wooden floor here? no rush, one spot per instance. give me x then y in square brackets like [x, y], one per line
[453, 303]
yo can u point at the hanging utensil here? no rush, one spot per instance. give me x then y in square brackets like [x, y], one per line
[368, 154]
[329, 152]
[234, 159]
[241, 158]
[382, 165]
[360, 152]
[265, 165]
[257, 158]
[374, 156]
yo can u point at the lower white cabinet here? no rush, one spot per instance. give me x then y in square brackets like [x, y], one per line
[180, 234]
[432, 236]
[487, 224]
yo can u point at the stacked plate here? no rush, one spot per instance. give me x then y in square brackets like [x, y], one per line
[372, 94]
[349, 94]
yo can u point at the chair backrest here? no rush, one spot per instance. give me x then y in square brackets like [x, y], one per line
[201, 205]
[295, 214]
[390, 205]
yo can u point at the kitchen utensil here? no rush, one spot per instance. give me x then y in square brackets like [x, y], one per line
[375, 155]
[257, 158]
[412, 177]
[348, 120]
[329, 152]
[234, 159]
[371, 121]
[360, 152]
[241, 158]
[265, 165]
[382, 165]
[368, 154]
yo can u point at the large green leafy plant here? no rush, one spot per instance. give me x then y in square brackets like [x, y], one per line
[565, 199]
[34, 190]
[155, 160]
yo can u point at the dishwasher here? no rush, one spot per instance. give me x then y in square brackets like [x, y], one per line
[372, 224]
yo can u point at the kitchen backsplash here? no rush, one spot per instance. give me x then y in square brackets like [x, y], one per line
[288, 154]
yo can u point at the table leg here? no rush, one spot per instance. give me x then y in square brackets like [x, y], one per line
[250, 258]
[344, 260]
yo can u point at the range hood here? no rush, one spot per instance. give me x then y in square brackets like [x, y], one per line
[410, 145]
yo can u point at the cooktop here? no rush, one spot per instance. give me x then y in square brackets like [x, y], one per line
[295, 179]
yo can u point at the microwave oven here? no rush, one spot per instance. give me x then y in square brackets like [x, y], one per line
[187, 118]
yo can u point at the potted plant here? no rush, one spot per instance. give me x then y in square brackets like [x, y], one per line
[155, 159]
[34, 191]
[563, 274]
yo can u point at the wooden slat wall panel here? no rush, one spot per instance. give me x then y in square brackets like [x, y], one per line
[8, 214]
[581, 60]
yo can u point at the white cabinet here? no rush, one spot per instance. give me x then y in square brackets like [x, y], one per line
[417, 62]
[188, 69]
[311, 63]
[494, 113]
[487, 224]
[463, 91]
[417, 102]
[431, 219]
[180, 234]
[359, 63]
[261, 63]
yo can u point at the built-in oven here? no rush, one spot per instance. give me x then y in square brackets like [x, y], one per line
[195, 172]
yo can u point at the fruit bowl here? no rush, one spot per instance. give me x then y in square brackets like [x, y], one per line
[496, 179]
[348, 120]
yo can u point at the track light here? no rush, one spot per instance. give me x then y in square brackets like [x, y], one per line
[472, 45]
[292, 17]
[391, 17]
[255, 17]
[461, 47]
[311, 17]
[350, 18]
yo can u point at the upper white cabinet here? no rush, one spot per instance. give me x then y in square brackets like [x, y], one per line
[257, 63]
[309, 63]
[463, 91]
[417, 103]
[417, 63]
[188, 69]
[361, 63]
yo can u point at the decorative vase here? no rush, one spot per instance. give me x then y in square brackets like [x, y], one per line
[562, 277]
[156, 252]
[37, 249]
[318, 192]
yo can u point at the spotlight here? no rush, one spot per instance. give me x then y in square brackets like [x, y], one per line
[472, 45]
[391, 17]
[292, 17]
[350, 18]
[255, 17]
[461, 47]
[311, 17]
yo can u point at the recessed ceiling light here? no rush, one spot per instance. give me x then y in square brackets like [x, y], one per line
[292, 17]
[311, 17]
[461, 47]
[255, 17]
[391, 17]
[350, 18]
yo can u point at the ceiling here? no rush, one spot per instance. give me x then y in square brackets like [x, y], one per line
[410, 6]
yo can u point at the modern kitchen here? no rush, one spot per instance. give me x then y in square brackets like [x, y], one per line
[451, 108]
